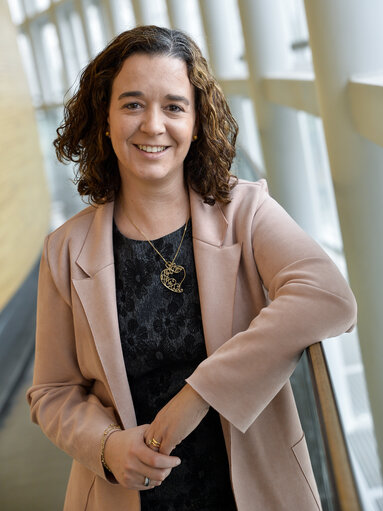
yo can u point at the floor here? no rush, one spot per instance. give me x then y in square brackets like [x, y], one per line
[33, 472]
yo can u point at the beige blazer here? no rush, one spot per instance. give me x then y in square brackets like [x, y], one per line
[243, 252]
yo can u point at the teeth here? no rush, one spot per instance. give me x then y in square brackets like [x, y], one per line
[151, 148]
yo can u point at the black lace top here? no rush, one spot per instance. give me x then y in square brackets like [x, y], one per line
[162, 341]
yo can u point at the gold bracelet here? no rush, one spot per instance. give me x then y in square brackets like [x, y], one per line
[107, 431]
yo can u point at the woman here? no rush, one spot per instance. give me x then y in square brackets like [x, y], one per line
[161, 366]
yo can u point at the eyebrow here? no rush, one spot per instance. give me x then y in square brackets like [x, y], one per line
[134, 93]
[182, 99]
[171, 97]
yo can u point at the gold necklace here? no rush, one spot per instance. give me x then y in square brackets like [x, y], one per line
[171, 267]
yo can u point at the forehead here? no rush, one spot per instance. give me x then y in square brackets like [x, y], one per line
[159, 73]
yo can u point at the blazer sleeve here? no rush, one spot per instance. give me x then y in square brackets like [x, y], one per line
[310, 301]
[61, 401]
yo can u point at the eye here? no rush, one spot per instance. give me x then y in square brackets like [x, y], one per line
[132, 106]
[175, 108]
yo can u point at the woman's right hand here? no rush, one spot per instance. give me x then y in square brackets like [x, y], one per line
[131, 460]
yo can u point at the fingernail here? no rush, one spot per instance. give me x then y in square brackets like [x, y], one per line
[178, 462]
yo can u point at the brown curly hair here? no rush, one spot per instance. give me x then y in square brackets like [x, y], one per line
[81, 136]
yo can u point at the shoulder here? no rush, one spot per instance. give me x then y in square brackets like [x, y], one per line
[246, 198]
[70, 236]
[251, 189]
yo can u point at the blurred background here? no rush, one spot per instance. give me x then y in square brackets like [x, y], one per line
[305, 82]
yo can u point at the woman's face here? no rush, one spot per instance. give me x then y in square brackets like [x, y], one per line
[152, 118]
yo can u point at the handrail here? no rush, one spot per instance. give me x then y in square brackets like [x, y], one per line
[338, 460]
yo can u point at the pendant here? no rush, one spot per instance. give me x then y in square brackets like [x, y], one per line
[170, 282]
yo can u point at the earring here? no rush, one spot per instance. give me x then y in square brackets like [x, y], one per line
[195, 137]
[107, 133]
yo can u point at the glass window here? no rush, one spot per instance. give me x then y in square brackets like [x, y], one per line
[49, 60]
[41, 5]
[53, 60]
[157, 12]
[30, 7]
[235, 36]
[73, 51]
[29, 67]
[65, 199]
[95, 25]
[347, 375]
[318, 168]
[343, 356]
[39, 46]
[17, 11]
[192, 24]
[249, 160]
[77, 29]
[297, 30]
[123, 15]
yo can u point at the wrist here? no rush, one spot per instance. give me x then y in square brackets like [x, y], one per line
[112, 428]
[204, 405]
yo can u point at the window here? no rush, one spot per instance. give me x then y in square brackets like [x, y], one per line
[57, 38]
[123, 15]
[72, 37]
[95, 25]
[29, 66]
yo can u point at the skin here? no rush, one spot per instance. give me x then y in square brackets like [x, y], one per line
[149, 109]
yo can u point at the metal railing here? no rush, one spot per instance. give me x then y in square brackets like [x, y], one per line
[337, 457]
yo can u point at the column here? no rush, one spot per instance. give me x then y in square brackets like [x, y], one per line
[217, 18]
[143, 12]
[267, 52]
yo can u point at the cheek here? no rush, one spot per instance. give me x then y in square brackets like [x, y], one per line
[119, 123]
[186, 134]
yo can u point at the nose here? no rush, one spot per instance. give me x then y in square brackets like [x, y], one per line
[153, 122]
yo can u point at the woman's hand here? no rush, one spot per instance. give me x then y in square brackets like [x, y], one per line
[176, 420]
[131, 460]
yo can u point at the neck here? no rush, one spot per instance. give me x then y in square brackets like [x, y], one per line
[156, 210]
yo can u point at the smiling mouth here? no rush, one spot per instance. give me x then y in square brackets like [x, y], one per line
[151, 148]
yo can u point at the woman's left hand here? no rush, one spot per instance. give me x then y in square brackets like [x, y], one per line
[177, 419]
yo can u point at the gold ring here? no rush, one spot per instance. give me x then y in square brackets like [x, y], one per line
[154, 443]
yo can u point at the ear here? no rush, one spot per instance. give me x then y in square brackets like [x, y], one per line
[196, 126]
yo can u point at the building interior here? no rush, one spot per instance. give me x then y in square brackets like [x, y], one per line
[304, 80]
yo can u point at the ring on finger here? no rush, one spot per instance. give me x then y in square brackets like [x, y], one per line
[146, 481]
[155, 443]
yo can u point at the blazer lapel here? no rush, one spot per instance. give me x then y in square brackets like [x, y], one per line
[97, 293]
[217, 268]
